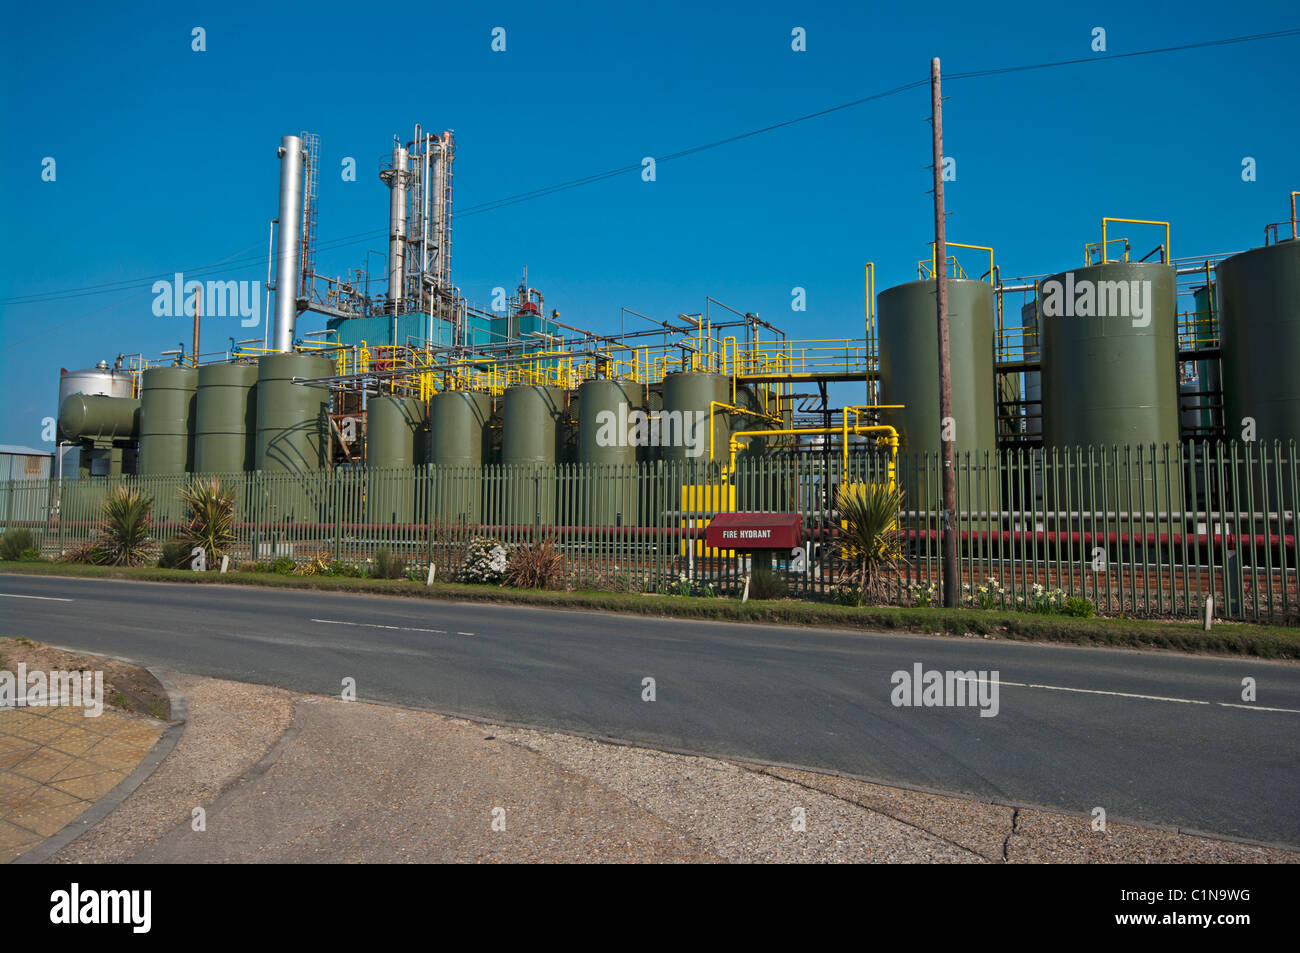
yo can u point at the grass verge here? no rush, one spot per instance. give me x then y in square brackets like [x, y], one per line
[1226, 638]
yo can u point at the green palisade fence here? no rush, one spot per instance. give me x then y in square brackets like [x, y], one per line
[1147, 531]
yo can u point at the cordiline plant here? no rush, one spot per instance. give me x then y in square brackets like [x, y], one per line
[125, 528]
[210, 517]
[871, 542]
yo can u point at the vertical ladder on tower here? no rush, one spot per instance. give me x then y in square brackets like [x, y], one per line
[311, 145]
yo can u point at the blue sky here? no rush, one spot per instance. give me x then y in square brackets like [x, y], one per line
[166, 157]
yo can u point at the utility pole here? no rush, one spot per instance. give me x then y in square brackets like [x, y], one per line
[947, 426]
[198, 310]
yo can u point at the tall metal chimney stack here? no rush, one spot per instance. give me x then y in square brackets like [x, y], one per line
[397, 178]
[288, 248]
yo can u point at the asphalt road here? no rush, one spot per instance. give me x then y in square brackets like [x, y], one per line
[1150, 737]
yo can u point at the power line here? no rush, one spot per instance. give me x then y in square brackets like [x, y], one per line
[493, 205]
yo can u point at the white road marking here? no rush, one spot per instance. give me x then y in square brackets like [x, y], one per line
[464, 633]
[374, 625]
[1153, 698]
[14, 595]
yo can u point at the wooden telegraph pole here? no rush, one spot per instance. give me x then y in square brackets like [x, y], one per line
[198, 310]
[947, 425]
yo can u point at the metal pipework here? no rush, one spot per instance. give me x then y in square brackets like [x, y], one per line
[858, 429]
[397, 178]
[289, 244]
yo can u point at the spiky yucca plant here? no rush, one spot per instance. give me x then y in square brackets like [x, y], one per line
[210, 517]
[124, 531]
[871, 540]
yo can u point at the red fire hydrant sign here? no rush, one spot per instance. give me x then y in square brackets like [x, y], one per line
[746, 532]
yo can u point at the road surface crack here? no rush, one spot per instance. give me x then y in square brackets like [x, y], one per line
[1015, 820]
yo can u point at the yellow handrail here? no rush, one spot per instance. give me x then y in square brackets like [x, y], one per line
[1134, 221]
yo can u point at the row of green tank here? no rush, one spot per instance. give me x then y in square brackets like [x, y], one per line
[226, 418]
[1105, 381]
[532, 428]
[219, 418]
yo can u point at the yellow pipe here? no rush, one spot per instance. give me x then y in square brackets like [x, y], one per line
[869, 279]
[739, 410]
[891, 441]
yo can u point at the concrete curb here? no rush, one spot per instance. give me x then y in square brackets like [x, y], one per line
[43, 851]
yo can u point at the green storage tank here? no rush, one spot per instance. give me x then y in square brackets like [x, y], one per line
[531, 442]
[94, 417]
[1259, 310]
[292, 419]
[909, 364]
[607, 448]
[459, 440]
[293, 434]
[168, 400]
[690, 415]
[226, 419]
[1110, 371]
[1259, 301]
[909, 375]
[395, 443]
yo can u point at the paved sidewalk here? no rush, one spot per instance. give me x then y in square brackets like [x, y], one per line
[55, 763]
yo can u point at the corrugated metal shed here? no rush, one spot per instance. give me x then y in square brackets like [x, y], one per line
[24, 463]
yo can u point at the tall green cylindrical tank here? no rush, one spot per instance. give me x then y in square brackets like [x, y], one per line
[225, 438]
[690, 415]
[292, 419]
[1259, 302]
[293, 433]
[1259, 312]
[395, 444]
[458, 445]
[909, 364]
[530, 445]
[608, 414]
[94, 417]
[1109, 356]
[909, 375]
[168, 400]
[1110, 376]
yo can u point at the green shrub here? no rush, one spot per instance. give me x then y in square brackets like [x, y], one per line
[283, 566]
[1079, 607]
[175, 555]
[386, 565]
[17, 541]
[766, 584]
